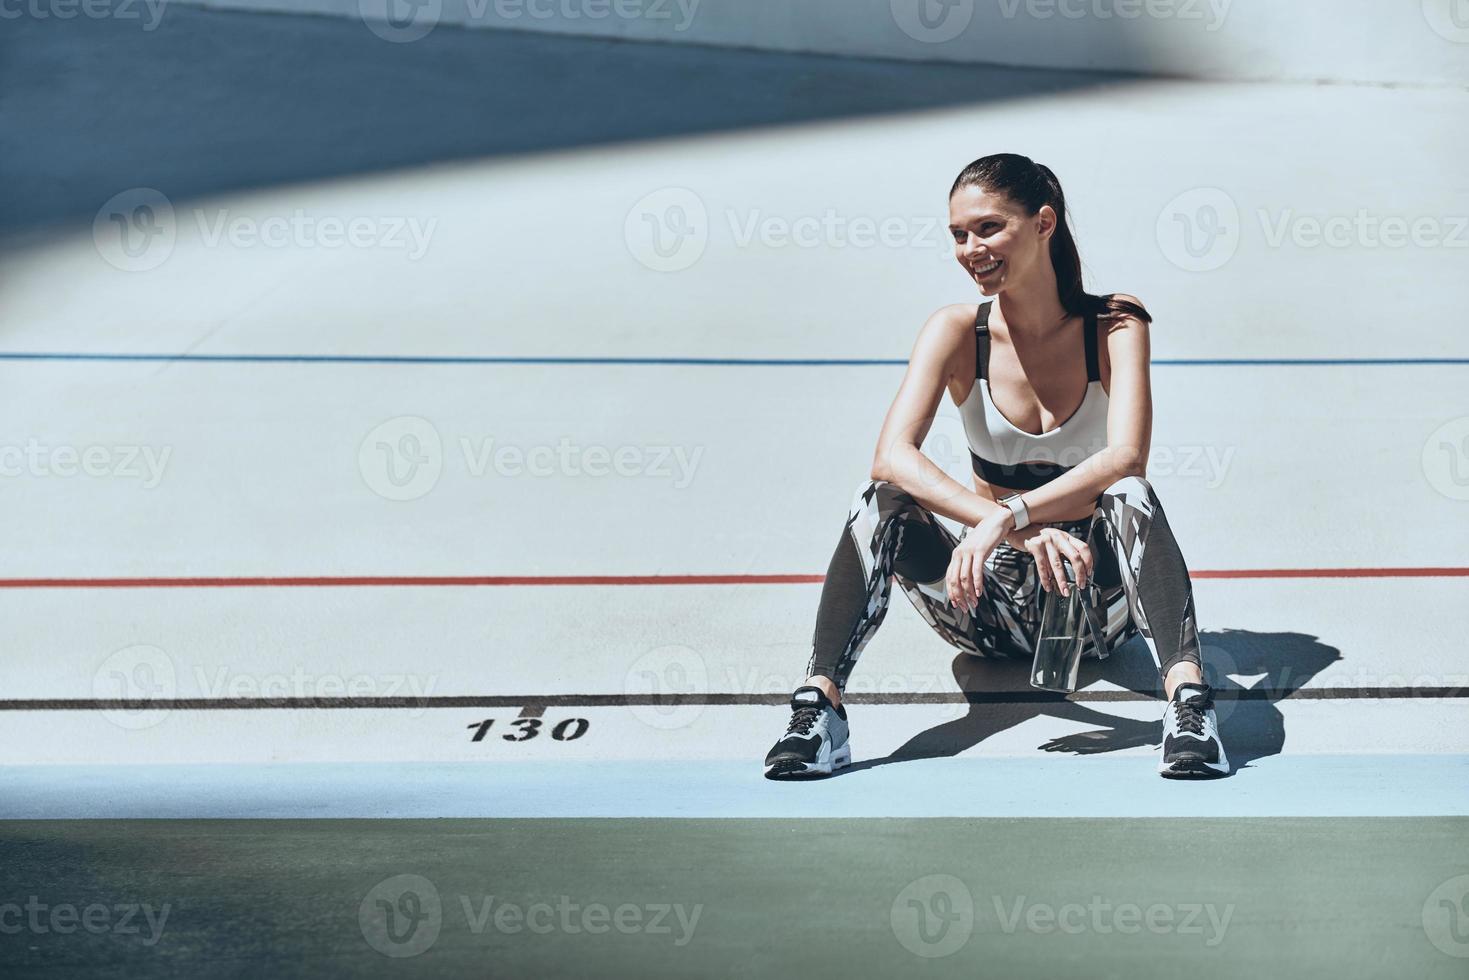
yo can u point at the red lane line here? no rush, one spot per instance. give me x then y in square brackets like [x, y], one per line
[236, 582]
[1331, 573]
[387, 580]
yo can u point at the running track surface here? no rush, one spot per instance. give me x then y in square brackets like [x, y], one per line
[248, 658]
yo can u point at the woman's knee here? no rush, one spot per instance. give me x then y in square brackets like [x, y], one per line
[880, 496]
[1133, 486]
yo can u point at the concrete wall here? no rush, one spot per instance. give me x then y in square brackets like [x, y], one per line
[1381, 41]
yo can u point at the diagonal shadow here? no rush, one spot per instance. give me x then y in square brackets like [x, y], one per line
[210, 100]
[1251, 728]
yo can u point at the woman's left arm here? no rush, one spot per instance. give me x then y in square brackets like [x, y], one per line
[1129, 428]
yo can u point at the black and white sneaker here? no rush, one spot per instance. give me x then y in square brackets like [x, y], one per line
[815, 742]
[1191, 745]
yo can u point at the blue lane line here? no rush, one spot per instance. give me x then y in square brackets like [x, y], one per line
[1277, 786]
[684, 361]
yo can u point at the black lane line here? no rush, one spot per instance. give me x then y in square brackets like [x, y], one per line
[543, 701]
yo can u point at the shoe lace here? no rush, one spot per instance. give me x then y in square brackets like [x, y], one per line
[1189, 714]
[802, 720]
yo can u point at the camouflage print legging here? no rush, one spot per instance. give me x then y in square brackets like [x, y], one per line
[1148, 594]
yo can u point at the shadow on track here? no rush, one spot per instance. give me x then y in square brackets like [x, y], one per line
[1252, 728]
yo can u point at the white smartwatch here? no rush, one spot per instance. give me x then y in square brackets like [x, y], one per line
[1018, 509]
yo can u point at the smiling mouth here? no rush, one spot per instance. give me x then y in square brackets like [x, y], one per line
[984, 270]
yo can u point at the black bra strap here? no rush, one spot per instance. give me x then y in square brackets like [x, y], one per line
[1093, 363]
[982, 341]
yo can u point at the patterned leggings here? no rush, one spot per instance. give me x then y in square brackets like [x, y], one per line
[1148, 594]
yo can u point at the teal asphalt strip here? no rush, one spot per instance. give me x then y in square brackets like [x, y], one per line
[1012, 898]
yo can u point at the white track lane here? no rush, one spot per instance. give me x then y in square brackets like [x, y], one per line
[1258, 467]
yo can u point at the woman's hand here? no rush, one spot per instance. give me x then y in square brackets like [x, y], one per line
[1048, 545]
[965, 579]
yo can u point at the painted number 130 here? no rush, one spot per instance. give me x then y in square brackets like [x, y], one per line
[567, 730]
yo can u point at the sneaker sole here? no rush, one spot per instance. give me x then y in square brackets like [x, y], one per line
[1193, 769]
[793, 769]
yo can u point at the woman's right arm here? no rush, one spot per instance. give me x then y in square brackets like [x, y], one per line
[899, 460]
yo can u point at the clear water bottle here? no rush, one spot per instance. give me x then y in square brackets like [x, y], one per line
[1064, 622]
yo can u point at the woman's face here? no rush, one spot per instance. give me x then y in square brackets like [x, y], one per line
[996, 241]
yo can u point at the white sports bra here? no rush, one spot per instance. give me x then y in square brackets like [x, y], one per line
[1011, 457]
